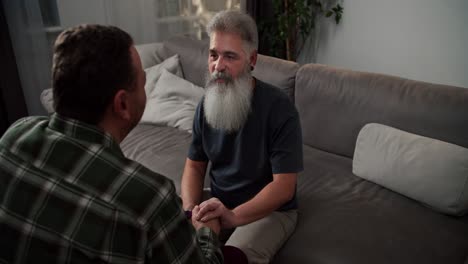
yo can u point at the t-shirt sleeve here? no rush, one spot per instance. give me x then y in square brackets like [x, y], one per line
[286, 141]
[196, 151]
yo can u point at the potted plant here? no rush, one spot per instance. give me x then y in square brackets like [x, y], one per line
[291, 24]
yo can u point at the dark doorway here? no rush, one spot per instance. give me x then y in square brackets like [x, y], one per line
[12, 103]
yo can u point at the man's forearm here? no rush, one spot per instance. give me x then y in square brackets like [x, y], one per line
[270, 198]
[192, 183]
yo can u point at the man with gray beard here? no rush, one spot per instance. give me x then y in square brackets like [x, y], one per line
[251, 134]
[227, 104]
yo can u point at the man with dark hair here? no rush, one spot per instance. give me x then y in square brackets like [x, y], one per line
[68, 194]
[250, 132]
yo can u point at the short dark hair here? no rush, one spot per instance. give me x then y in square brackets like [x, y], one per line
[91, 63]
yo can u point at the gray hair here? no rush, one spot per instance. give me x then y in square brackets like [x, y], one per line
[231, 21]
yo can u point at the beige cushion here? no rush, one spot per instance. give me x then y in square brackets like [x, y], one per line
[427, 170]
[172, 102]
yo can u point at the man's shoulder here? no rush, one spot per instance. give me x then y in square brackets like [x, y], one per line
[25, 124]
[274, 98]
[272, 94]
[113, 181]
[137, 190]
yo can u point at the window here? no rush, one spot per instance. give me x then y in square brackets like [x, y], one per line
[34, 27]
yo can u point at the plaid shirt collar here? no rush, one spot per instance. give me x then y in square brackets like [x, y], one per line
[83, 132]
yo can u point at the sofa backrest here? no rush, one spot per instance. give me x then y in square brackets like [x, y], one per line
[151, 54]
[193, 55]
[334, 104]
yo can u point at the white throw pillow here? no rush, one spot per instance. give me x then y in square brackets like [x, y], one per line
[153, 73]
[428, 170]
[172, 102]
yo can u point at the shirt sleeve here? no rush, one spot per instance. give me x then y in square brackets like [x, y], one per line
[286, 140]
[196, 151]
[172, 238]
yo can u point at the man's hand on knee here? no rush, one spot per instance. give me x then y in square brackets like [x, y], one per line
[214, 208]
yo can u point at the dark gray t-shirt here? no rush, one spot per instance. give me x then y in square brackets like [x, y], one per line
[244, 162]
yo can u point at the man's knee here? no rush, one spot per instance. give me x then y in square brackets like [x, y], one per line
[261, 239]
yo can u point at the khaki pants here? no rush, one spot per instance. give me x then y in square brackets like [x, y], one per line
[260, 240]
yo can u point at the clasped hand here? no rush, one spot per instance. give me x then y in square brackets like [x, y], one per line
[214, 208]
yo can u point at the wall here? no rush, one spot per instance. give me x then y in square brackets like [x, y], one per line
[423, 40]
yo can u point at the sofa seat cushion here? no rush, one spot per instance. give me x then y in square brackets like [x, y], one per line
[161, 149]
[345, 219]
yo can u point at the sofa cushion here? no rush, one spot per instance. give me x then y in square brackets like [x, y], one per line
[334, 104]
[346, 219]
[162, 149]
[172, 102]
[153, 73]
[193, 57]
[277, 72]
[428, 170]
[151, 54]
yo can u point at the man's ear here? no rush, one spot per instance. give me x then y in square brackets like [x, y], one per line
[253, 58]
[120, 105]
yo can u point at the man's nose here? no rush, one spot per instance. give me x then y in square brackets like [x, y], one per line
[220, 65]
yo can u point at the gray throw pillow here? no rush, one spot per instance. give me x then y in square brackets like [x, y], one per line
[428, 170]
[153, 73]
[172, 102]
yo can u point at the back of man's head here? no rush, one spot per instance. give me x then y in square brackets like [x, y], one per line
[91, 63]
[236, 22]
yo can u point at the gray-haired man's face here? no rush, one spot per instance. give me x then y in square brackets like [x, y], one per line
[227, 54]
[229, 83]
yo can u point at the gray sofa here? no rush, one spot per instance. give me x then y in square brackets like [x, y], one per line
[342, 217]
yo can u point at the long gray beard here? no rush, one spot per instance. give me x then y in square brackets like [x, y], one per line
[227, 105]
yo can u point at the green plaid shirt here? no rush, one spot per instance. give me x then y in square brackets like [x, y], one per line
[68, 195]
